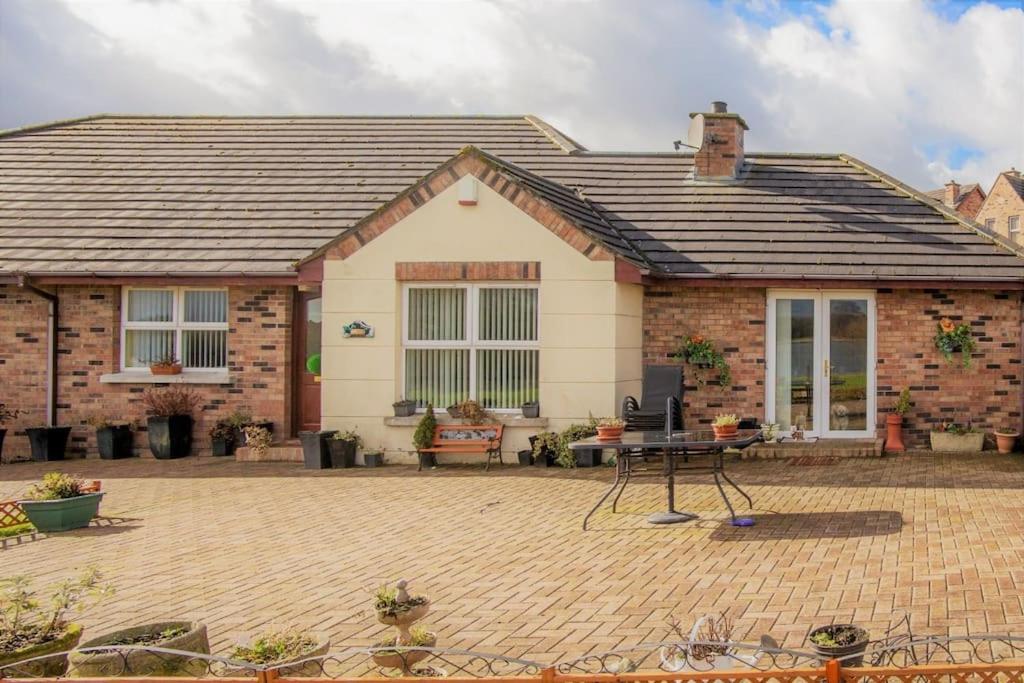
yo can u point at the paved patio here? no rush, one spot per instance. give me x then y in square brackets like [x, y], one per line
[245, 546]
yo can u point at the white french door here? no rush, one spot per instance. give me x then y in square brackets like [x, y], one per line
[821, 362]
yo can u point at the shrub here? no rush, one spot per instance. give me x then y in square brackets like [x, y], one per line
[56, 486]
[902, 404]
[23, 622]
[258, 439]
[170, 401]
[8, 414]
[238, 418]
[424, 435]
[275, 646]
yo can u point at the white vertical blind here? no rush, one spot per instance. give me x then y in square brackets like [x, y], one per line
[204, 348]
[190, 325]
[437, 314]
[206, 306]
[508, 314]
[437, 376]
[150, 305]
[143, 347]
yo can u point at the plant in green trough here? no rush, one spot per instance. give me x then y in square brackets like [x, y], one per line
[424, 435]
[56, 486]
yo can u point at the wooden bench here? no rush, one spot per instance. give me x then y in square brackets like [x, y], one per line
[449, 438]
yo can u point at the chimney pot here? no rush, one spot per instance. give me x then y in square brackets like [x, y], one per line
[718, 107]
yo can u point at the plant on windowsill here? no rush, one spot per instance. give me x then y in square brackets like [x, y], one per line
[951, 337]
[1006, 439]
[894, 422]
[113, 439]
[29, 631]
[60, 502]
[472, 412]
[725, 427]
[166, 365]
[531, 409]
[169, 422]
[6, 415]
[702, 354]
[404, 407]
[423, 437]
[343, 447]
[954, 437]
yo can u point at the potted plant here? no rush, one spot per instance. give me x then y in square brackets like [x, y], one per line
[953, 437]
[702, 354]
[894, 422]
[531, 409]
[258, 440]
[951, 337]
[169, 424]
[525, 457]
[237, 420]
[544, 448]
[132, 658]
[423, 438]
[6, 415]
[708, 646]
[222, 439]
[48, 443]
[343, 447]
[404, 407]
[471, 412]
[396, 607]
[113, 439]
[166, 365]
[387, 654]
[316, 454]
[770, 432]
[1006, 439]
[610, 429]
[29, 631]
[585, 457]
[840, 641]
[374, 458]
[58, 503]
[279, 648]
[725, 427]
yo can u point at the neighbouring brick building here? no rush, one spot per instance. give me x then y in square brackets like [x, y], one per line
[1003, 209]
[966, 200]
[488, 257]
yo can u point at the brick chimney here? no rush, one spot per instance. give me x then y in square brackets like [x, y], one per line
[952, 193]
[720, 154]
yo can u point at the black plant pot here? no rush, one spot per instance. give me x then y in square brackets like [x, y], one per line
[343, 453]
[315, 453]
[526, 457]
[170, 437]
[240, 431]
[48, 443]
[428, 460]
[531, 410]
[405, 409]
[114, 442]
[373, 459]
[3, 433]
[222, 447]
[588, 457]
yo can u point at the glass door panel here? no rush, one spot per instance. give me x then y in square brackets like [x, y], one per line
[847, 371]
[794, 363]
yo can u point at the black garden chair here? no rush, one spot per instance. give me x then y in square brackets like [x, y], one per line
[662, 394]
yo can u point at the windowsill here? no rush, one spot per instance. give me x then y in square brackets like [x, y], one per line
[509, 420]
[186, 377]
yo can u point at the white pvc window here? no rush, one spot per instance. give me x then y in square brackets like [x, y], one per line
[187, 324]
[477, 342]
[1013, 225]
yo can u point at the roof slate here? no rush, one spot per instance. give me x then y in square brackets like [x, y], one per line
[153, 195]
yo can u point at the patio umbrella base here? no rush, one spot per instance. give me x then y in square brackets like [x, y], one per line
[671, 517]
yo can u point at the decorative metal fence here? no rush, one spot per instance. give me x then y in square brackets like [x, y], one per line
[989, 659]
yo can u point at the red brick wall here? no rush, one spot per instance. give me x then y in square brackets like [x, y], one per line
[23, 359]
[89, 346]
[988, 393]
[971, 204]
[734, 319]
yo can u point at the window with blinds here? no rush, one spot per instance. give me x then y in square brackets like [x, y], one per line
[188, 325]
[476, 342]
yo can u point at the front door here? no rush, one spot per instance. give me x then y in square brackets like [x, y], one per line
[821, 362]
[307, 360]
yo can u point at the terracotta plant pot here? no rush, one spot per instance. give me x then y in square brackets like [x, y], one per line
[609, 433]
[1005, 441]
[725, 432]
[894, 433]
[174, 369]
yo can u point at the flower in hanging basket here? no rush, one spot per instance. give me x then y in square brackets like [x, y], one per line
[951, 337]
[701, 353]
[947, 325]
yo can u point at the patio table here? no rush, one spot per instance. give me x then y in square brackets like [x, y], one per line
[699, 446]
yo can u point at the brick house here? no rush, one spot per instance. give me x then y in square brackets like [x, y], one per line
[1003, 209]
[493, 258]
[964, 199]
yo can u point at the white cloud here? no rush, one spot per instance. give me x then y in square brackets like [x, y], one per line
[895, 83]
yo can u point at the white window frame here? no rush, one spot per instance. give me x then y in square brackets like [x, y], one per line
[178, 323]
[1012, 231]
[472, 342]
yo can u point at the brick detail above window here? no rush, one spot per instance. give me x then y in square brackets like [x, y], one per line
[447, 271]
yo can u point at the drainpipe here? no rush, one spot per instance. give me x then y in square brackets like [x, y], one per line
[51, 347]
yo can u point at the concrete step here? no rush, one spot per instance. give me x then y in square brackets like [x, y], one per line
[833, 448]
[287, 451]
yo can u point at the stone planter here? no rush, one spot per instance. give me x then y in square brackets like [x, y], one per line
[307, 669]
[401, 657]
[315, 453]
[405, 618]
[170, 437]
[62, 514]
[141, 662]
[957, 443]
[48, 443]
[50, 667]
[114, 442]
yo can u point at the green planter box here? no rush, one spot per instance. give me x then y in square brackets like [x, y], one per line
[50, 667]
[63, 514]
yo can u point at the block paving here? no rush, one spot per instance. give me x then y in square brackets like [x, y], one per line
[246, 546]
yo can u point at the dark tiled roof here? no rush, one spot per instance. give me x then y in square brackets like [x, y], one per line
[1016, 182]
[219, 195]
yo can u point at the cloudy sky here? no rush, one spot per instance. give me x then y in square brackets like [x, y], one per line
[924, 90]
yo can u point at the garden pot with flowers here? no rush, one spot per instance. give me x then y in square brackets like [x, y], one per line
[59, 503]
[894, 423]
[953, 437]
[170, 421]
[610, 429]
[1006, 439]
[951, 337]
[725, 427]
[702, 354]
